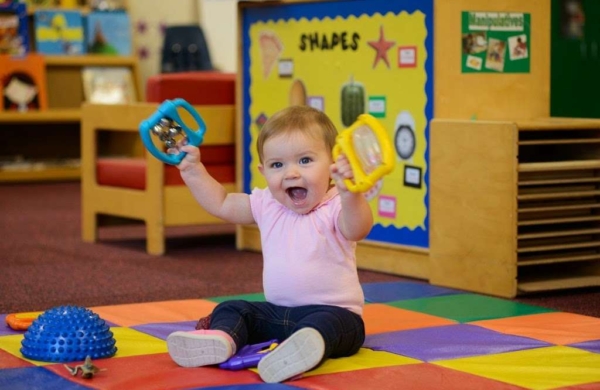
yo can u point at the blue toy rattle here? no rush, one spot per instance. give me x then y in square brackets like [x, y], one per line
[166, 124]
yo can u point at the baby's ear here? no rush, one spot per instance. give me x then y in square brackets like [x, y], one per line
[261, 169]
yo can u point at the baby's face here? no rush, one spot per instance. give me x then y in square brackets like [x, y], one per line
[296, 167]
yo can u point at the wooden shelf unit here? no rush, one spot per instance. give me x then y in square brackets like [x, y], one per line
[57, 129]
[515, 206]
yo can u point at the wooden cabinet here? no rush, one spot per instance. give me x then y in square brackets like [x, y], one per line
[46, 143]
[515, 206]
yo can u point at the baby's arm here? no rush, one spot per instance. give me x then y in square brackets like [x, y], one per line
[356, 218]
[211, 195]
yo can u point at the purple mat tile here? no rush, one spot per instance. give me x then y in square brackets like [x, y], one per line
[397, 291]
[164, 329]
[449, 342]
[591, 346]
[6, 330]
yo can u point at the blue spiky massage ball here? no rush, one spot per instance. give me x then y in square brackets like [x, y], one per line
[68, 334]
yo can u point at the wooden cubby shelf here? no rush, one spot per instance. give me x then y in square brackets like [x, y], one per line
[56, 115]
[45, 145]
[41, 139]
[515, 205]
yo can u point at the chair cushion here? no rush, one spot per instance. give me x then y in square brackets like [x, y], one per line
[130, 173]
[198, 88]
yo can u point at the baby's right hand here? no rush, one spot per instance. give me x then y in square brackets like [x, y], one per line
[191, 159]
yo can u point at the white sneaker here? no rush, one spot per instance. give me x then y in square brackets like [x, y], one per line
[190, 349]
[299, 353]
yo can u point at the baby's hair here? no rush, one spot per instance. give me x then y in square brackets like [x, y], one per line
[303, 119]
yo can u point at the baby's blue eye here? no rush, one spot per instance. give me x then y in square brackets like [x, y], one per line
[276, 165]
[305, 160]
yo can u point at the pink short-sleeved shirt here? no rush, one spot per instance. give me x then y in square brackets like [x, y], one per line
[307, 260]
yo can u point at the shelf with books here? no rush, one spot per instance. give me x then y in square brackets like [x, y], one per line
[41, 123]
[89, 60]
[56, 128]
[84, 9]
[65, 76]
[42, 145]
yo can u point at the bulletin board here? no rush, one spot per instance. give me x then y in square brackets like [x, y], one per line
[345, 58]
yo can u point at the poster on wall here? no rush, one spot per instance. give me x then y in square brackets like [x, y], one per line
[347, 58]
[572, 19]
[496, 42]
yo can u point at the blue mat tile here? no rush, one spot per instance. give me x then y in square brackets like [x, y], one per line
[35, 378]
[5, 329]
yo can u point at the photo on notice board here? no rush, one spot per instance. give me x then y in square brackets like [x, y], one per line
[495, 42]
[108, 85]
[495, 55]
[517, 47]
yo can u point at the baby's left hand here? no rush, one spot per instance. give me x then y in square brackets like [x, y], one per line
[341, 170]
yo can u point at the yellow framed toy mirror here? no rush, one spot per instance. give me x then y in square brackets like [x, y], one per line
[369, 150]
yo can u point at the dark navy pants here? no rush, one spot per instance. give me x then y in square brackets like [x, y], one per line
[257, 322]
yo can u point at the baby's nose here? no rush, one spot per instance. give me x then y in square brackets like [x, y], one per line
[292, 173]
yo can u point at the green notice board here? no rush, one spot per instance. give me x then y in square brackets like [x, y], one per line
[496, 42]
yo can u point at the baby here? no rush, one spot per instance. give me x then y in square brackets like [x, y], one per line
[309, 226]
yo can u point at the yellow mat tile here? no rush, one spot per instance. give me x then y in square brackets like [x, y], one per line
[12, 345]
[364, 359]
[130, 342]
[380, 318]
[555, 328]
[153, 312]
[540, 368]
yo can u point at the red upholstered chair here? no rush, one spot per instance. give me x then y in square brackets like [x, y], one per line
[137, 185]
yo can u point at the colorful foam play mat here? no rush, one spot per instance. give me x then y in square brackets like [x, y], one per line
[418, 337]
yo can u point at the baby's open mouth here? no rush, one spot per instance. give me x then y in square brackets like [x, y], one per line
[296, 193]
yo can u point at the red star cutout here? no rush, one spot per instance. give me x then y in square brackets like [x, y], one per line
[141, 26]
[381, 47]
[143, 53]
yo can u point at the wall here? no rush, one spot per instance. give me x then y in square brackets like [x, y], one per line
[218, 19]
[148, 21]
[490, 96]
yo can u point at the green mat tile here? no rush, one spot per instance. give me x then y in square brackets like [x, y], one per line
[256, 297]
[469, 307]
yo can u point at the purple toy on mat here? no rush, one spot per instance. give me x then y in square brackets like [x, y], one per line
[249, 356]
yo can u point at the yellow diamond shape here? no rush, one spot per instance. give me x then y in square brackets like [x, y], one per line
[540, 368]
[131, 342]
